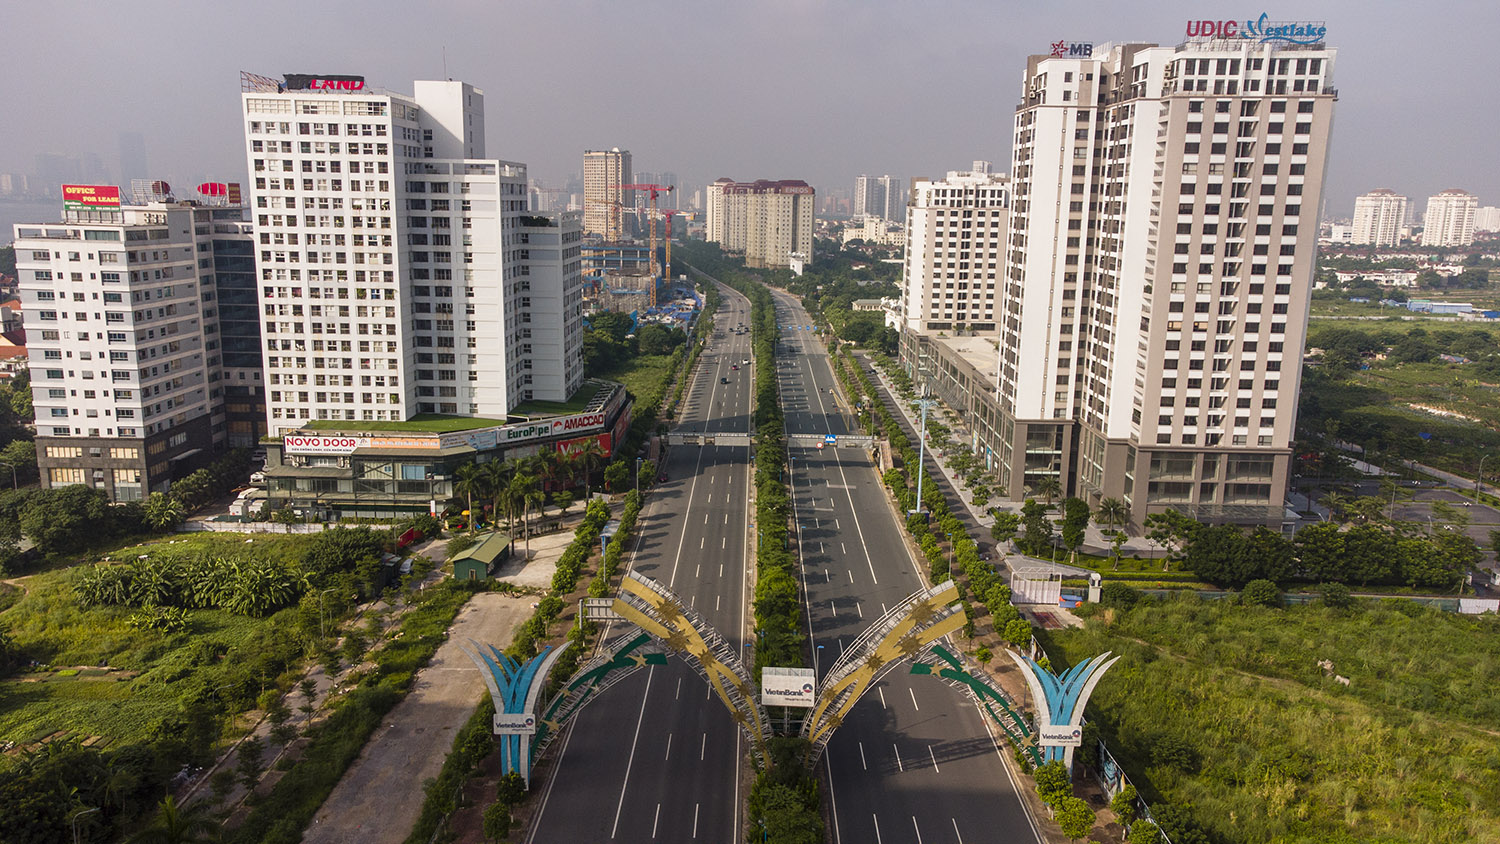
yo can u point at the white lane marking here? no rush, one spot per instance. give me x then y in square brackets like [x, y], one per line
[693, 601]
[913, 698]
[956, 833]
[836, 525]
[669, 747]
[677, 695]
[726, 518]
[655, 820]
[716, 607]
[862, 761]
[877, 827]
[833, 608]
[933, 757]
[696, 570]
[723, 542]
[883, 610]
[841, 646]
[650, 674]
[843, 547]
[914, 826]
[705, 518]
[700, 543]
[850, 572]
[898, 758]
[859, 609]
[881, 690]
[721, 569]
[703, 747]
[695, 823]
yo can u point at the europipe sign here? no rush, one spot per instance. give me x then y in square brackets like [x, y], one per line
[323, 82]
[1260, 29]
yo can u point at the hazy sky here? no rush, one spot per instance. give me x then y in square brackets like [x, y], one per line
[821, 91]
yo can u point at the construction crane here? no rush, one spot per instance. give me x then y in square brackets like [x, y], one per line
[654, 191]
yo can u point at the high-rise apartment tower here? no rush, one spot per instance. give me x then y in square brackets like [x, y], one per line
[1450, 218]
[1379, 217]
[604, 200]
[955, 252]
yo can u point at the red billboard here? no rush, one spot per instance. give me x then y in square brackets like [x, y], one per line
[572, 448]
[91, 196]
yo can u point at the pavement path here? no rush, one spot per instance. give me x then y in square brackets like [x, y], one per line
[379, 797]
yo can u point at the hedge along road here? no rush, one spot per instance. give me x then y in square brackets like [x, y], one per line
[379, 797]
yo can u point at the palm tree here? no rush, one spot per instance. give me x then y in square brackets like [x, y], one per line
[1048, 487]
[1112, 512]
[497, 477]
[178, 824]
[519, 495]
[593, 456]
[1335, 502]
[469, 482]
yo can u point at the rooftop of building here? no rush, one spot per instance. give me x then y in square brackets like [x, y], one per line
[593, 394]
[981, 353]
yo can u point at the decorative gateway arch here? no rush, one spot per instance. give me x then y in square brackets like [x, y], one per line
[667, 626]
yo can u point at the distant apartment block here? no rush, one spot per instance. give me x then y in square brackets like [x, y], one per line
[1487, 219]
[604, 200]
[765, 221]
[1378, 218]
[955, 255]
[1449, 220]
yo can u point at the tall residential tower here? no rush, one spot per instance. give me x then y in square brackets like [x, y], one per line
[1379, 217]
[604, 200]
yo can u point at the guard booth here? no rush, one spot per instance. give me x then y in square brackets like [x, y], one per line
[481, 560]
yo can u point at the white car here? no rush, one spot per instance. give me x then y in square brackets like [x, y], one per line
[745, 362]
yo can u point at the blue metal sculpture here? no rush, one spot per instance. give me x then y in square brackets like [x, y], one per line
[1059, 702]
[515, 688]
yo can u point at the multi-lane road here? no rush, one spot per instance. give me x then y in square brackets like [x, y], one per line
[655, 758]
[914, 761]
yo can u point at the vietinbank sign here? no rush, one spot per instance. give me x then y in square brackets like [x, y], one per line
[1261, 29]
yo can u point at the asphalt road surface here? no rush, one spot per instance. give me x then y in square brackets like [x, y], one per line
[655, 758]
[914, 761]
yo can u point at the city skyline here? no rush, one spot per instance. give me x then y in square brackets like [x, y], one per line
[700, 125]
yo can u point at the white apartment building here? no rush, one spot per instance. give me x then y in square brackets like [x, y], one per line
[396, 276]
[1379, 217]
[955, 252]
[1449, 220]
[119, 310]
[880, 196]
[765, 221]
[1162, 236]
[604, 171]
[1487, 219]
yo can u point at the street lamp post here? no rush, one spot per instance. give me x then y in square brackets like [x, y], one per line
[78, 815]
[922, 450]
[14, 485]
[1478, 476]
[638, 476]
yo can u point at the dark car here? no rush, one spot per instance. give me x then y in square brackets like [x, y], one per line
[723, 380]
[734, 366]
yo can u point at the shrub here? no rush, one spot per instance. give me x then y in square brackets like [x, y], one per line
[1336, 596]
[1169, 750]
[1260, 593]
[1117, 595]
[1123, 804]
[1053, 782]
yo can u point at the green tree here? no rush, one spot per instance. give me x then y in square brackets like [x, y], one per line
[163, 512]
[1123, 804]
[1218, 555]
[496, 820]
[788, 818]
[20, 455]
[468, 481]
[1075, 521]
[1112, 512]
[1047, 487]
[591, 456]
[982, 654]
[66, 519]
[1074, 818]
[1005, 527]
[1119, 595]
[615, 326]
[616, 476]
[175, 824]
[1018, 632]
[1036, 528]
[1144, 832]
[251, 756]
[1053, 782]
[1336, 596]
[562, 500]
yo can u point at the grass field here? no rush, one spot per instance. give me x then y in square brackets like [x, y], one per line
[644, 375]
[1224, 710]
[149, 673]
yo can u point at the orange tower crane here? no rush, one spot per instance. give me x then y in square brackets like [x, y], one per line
[654, 191]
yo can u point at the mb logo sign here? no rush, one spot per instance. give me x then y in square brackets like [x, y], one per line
[1072, 49]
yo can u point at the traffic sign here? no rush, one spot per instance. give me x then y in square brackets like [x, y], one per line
[830, 438]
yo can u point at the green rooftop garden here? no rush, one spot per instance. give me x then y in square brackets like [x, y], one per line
[430, 423]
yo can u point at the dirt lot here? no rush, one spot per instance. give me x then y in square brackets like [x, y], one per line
[380, 795]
